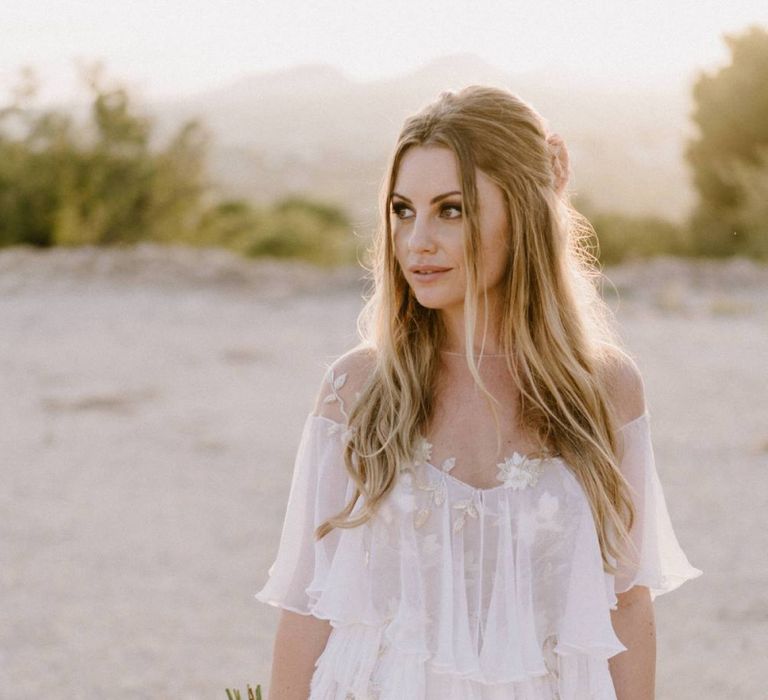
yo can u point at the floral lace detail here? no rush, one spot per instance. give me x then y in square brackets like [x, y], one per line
[466, 507]
[516, 472]
[336, 384]
[422, 452]
[519, 472]
[422, 455]
[437, 498]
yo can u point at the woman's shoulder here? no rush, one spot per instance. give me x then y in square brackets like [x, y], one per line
[344, 379]
[624, 383]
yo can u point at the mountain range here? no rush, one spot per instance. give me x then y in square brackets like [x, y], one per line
[312, 130]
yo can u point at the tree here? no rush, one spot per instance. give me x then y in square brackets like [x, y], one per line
[63, 183]
[731, 113]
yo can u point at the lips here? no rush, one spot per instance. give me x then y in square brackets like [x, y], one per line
[421, 269]
[430, 275]
[426, 274]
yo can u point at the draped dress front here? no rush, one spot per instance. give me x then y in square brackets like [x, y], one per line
[455, 592]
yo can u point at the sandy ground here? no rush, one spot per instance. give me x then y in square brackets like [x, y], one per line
[153, 400]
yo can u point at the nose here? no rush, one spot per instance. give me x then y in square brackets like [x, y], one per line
[422, 236]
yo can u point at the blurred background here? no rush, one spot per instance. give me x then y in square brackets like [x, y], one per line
[186, 193]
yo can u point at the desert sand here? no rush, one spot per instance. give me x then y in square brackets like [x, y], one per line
[152, 403]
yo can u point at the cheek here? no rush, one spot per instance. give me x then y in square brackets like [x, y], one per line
[402, 257]
[496, 256]
[397, 248]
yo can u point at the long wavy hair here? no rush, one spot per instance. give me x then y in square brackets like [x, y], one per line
[557, 333]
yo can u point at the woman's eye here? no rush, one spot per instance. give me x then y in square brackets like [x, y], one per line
[457, 207]
[399, 207]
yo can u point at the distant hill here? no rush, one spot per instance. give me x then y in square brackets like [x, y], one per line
[312, 129]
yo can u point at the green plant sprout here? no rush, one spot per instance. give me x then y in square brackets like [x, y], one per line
[252, 695]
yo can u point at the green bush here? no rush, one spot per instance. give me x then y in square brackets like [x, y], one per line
[97, 183]
[296, 227]
[101, 183]
[621, 237]
[729, 173]
[624, 236]
[293, 227]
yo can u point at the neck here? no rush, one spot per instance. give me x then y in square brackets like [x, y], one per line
[453, 322]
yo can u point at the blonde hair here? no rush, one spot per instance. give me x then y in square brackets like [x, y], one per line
[556, 330]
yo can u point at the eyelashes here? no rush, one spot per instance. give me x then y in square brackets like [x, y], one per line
[398, 207]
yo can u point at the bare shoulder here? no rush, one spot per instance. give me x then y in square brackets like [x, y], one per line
[625, 385]
[344, 379]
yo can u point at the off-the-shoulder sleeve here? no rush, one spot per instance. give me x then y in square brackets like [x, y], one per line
[318, 490]
[660, 563]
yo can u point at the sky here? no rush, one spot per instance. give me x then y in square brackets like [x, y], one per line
[173, 48]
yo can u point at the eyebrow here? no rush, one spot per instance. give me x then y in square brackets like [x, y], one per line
[432, 201]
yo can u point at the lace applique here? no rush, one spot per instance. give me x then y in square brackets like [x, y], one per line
[437, 497]
[422, 452]
[516, 472]
[438, 493]
[437, 490]
[421, 517]
[336, 384]
[335, 427]
[519, 472]
[466, 507]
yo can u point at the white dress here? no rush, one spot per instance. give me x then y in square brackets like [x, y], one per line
[460, 593]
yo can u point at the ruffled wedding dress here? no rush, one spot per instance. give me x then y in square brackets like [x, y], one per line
[456, 592]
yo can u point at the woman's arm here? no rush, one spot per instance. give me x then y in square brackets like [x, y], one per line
[634, 670]
[299, 641]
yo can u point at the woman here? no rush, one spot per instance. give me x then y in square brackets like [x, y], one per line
[475, 510]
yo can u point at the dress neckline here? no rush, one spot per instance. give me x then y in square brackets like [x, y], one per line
[486, 489]
[521, 459]
[520, 465]
[516, 461]
[339, 427]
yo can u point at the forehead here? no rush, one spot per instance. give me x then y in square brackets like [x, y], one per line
[427, 170]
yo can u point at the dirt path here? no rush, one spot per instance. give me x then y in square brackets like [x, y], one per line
[153, 400]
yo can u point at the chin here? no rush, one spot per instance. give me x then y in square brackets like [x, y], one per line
[430, 305]
[434, 301]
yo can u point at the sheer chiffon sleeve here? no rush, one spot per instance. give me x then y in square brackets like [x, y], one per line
[659, 562]
[318, 490]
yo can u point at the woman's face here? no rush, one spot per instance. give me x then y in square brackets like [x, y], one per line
[426, 214]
